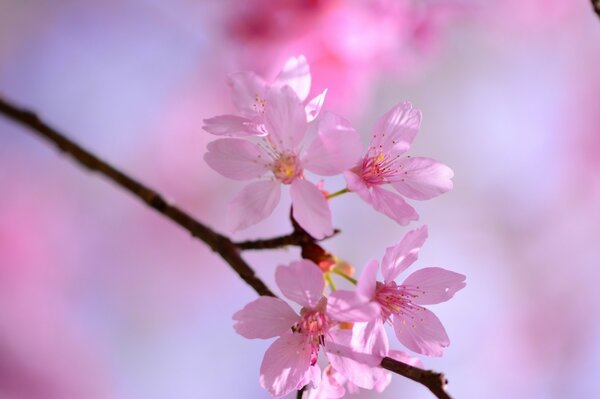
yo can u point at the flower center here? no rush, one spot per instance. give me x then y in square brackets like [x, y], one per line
[286, 168]
[378, 168]
[393, 299]
[314, 324]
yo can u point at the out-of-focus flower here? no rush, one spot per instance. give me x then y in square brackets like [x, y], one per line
[349, 42]
[417, 178]
[249, 93]
[416, 327]
[279, 154]
[291, 361]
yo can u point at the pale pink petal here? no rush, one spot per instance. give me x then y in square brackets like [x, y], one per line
[371, 338]
[254, 203]
[336, 148]
[382, 378]
[248, 93]
[421, 331]
[358, 186]
[433, 285]
[312, 376]
[349, 306]
[266, 317]
[313, 108]
[301, 282]
[355, 366]
[285, 119]
[232, 126]
[405, 358]
[368, 280]
[396, 129]
[423, 178]
[392, 205]
[311, 209]
[285, 365]
[237, 159]
[331, 387]
[400, 256]
[295, 74]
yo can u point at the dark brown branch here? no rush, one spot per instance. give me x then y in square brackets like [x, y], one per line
[217, 242]
[596, 6]
[436, 382]
[222, 245]
[296, 238]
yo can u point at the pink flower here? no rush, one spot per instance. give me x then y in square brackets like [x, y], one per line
[415, 327]
[249, 93]
[291, 361]
[413, 177]
[278, 159]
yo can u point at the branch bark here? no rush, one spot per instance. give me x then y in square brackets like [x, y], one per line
[228, 250]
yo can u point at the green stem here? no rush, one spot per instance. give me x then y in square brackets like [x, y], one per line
[330, 281]
[352, 280]
[338, 193]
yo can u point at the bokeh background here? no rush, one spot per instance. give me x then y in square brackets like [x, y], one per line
[102, 298]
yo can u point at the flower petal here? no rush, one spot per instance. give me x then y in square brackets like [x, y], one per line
[295, 74]
[236, 159]
[368, 280]
[301, 282]
[396, 129]
[232, 126]
[421, 331]
[254, 203]
[433, 285]
[353, 362]
[285, 364]
[311, 209]
[392, 205]
[423, 178]
[313, 108]
[336, 148]
[266, 317]
[285, 119]
[400, 256]
[358, 186]
[349, 306]
[331, 387]
[405, 358]
[371, 338]
[248, 93]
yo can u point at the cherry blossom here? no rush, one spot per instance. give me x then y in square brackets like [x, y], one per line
[416, 178]
[279, 159]
[291, 361]
[416, 327]
[250, 94]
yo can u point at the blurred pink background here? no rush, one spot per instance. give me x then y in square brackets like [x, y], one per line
[102, 298]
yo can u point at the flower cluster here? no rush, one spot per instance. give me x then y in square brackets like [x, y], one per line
[275, 139]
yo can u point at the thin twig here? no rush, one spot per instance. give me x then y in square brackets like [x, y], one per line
[222, 245]
[296, 238]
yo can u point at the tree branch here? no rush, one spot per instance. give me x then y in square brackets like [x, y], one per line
[217, 242]
[435, 382]
[596, 6]
[229, 251]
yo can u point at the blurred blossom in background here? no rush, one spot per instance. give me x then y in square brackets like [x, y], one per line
[102, 298]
